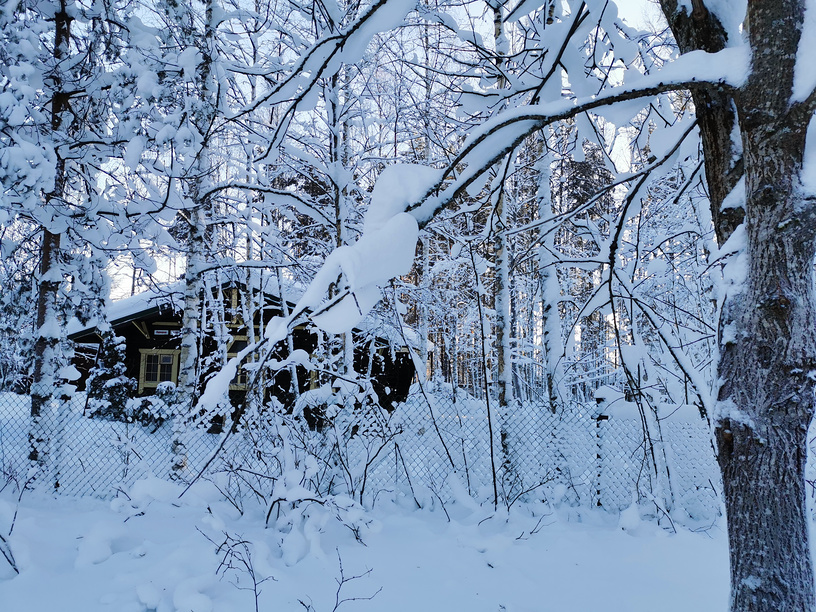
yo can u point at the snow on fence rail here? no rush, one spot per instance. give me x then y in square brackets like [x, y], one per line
[435, 445]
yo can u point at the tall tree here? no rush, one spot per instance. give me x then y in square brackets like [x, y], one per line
[65, 90]
[765, 403]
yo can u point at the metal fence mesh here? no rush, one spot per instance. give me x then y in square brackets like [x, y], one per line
[435, 445]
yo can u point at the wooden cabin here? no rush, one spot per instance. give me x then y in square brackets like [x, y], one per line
[150, 323]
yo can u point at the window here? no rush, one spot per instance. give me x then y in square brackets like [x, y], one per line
[157, 366]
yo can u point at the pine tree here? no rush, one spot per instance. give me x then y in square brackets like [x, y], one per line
[109, 388]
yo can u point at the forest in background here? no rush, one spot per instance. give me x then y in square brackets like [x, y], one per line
[186, 141]
[579, 186]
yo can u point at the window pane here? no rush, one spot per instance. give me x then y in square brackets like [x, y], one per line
[151, 368]
[166, 369]
[237, 346]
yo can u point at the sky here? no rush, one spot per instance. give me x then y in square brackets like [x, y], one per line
[637, 12]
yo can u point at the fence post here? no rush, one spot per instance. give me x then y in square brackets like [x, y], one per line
[600, 422]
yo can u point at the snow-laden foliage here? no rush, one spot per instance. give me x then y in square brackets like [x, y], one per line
[592, 207]
[109, 387]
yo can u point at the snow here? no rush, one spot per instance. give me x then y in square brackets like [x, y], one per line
[804, 72]
[50, 329]
[217, 387]
[808, 173]
[133, 152]
[731, 14]
[397, 187]
[729, 66]
[384, 251]
[727, 409]
[752, 582]
[157, 552]
[735, 254]
[189, 60]
[386, 15]
[736, 197]
[630, 520]
[381, 254]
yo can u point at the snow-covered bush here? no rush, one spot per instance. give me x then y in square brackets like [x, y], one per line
[153, 410]
[109, 386]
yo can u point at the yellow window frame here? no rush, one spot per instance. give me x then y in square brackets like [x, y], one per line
[152, 384]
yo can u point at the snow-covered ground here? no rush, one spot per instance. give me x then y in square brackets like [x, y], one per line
[156, 552]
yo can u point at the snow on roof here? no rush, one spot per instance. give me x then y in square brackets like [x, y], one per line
[126, 309]
[171, 296]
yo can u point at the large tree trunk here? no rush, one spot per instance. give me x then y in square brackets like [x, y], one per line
[198, 219]
[768, 321]
[766, 400]
[765, 403]
[45, 361]
[45, 351]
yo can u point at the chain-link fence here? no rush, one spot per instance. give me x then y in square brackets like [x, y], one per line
[89, 456]
[587, 455]
[438, 444]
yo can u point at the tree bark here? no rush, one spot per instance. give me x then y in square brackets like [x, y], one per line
[550, 292]
[45, 360]
[45, 347]
[198, 219]
[765, 401]
[716, 113]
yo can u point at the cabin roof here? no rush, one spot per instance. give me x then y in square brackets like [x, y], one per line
[128, 309]
[170, 298]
